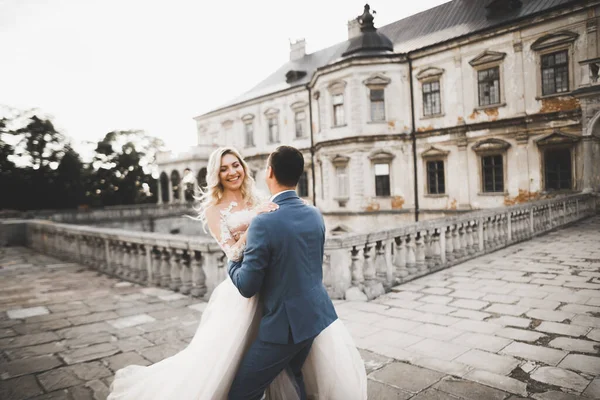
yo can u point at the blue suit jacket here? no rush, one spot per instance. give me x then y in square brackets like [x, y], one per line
[283, 261]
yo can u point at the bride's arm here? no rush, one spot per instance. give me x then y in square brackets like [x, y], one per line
[234, 249]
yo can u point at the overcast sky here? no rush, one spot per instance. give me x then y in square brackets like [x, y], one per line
[102, 65]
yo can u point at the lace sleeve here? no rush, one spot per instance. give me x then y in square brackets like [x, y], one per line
[234, 250]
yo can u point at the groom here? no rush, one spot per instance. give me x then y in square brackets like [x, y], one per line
[283, 262]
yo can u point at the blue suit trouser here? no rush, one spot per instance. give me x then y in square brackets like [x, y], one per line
[263, 362]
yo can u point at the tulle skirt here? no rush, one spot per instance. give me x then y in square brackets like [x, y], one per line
[205, 369]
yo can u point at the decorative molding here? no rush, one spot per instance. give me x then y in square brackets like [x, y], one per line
[487, 57]
[554, 39]
[202, 128]
[299, 105]
[248, 117]
[434, 152]
[337, 87]
[381, 156]
[340, 160]
[491, 145]
[316, 95]
[271, 112]
[378, 80]
[227, 124]
[518, 47]
[429, 73]
[522, 138]
[557, 137]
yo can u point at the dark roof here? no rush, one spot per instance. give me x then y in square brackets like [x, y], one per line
[436, 25]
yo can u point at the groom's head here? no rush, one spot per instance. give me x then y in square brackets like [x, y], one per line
[284, 169]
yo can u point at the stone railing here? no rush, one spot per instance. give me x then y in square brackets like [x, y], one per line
[355, 267]
[123, 213]
[365, 266]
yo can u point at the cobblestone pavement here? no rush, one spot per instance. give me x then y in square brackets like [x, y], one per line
[523, 322]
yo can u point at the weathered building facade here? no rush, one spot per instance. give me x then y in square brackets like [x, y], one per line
[470, 105]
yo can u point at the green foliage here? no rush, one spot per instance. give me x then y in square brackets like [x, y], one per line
[40, 170]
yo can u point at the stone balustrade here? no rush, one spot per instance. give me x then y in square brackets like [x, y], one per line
[366, 265]
[356, 266]
[123, 213]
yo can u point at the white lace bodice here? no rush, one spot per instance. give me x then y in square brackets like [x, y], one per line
[232, 222]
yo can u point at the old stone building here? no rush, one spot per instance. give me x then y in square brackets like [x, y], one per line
[472, 104]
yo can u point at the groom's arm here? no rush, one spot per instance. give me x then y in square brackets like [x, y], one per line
[248, 274]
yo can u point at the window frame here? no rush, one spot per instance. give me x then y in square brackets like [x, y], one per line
[388, 192]
[337, 88]
[488, 60]
[549, 43]
[487, 80]
[434, 154]
[340, 162]
[492, 147]
[541, 72]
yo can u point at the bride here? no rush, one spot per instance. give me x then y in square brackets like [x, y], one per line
[205, 369]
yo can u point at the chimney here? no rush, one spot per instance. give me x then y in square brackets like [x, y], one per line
[297, 49]
[353, 28]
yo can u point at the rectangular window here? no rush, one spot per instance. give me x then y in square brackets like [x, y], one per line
[338, 110]
[431, 98]
[555, 73]
[489, 86]
[377, 105]
[382, 180]
[341, 174]
[300, 122]
[557, 168]
[493, 173]
[435, 177]
[249, 133]
[303, 185]
[273, 130]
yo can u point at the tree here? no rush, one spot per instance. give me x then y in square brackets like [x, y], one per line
[33, 180]
[122, 169]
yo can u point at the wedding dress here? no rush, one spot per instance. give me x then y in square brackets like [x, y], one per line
[205, 369]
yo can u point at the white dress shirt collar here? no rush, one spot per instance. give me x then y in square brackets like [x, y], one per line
[277, 194]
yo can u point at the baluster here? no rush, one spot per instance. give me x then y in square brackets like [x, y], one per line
[470, 239]
[198, 276]
[411, 263]
[427, 240]
[462, 236]
[165, 268]
[175, 283]
[115, 256]
[380, 263]
[134, 263]
[436, 249]
[400, 260]
[369, 267]
[356, 268]
[449, 245]
[420, 254]
[156, 266]
[186, 274]
[142, 267]
[125, 260]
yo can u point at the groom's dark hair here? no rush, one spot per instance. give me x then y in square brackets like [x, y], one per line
[288, 165]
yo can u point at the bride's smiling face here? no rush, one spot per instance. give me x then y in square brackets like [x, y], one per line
[231, 174]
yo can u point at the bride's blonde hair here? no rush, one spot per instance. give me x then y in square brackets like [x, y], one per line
[213, 192]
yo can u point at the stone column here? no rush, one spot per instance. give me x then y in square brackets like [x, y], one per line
[181, 189]
[159, 191]
[170, 197]
[588, 166]
[522, 162]
[464, 190]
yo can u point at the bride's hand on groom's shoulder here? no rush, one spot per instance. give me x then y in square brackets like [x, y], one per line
[267, 207]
